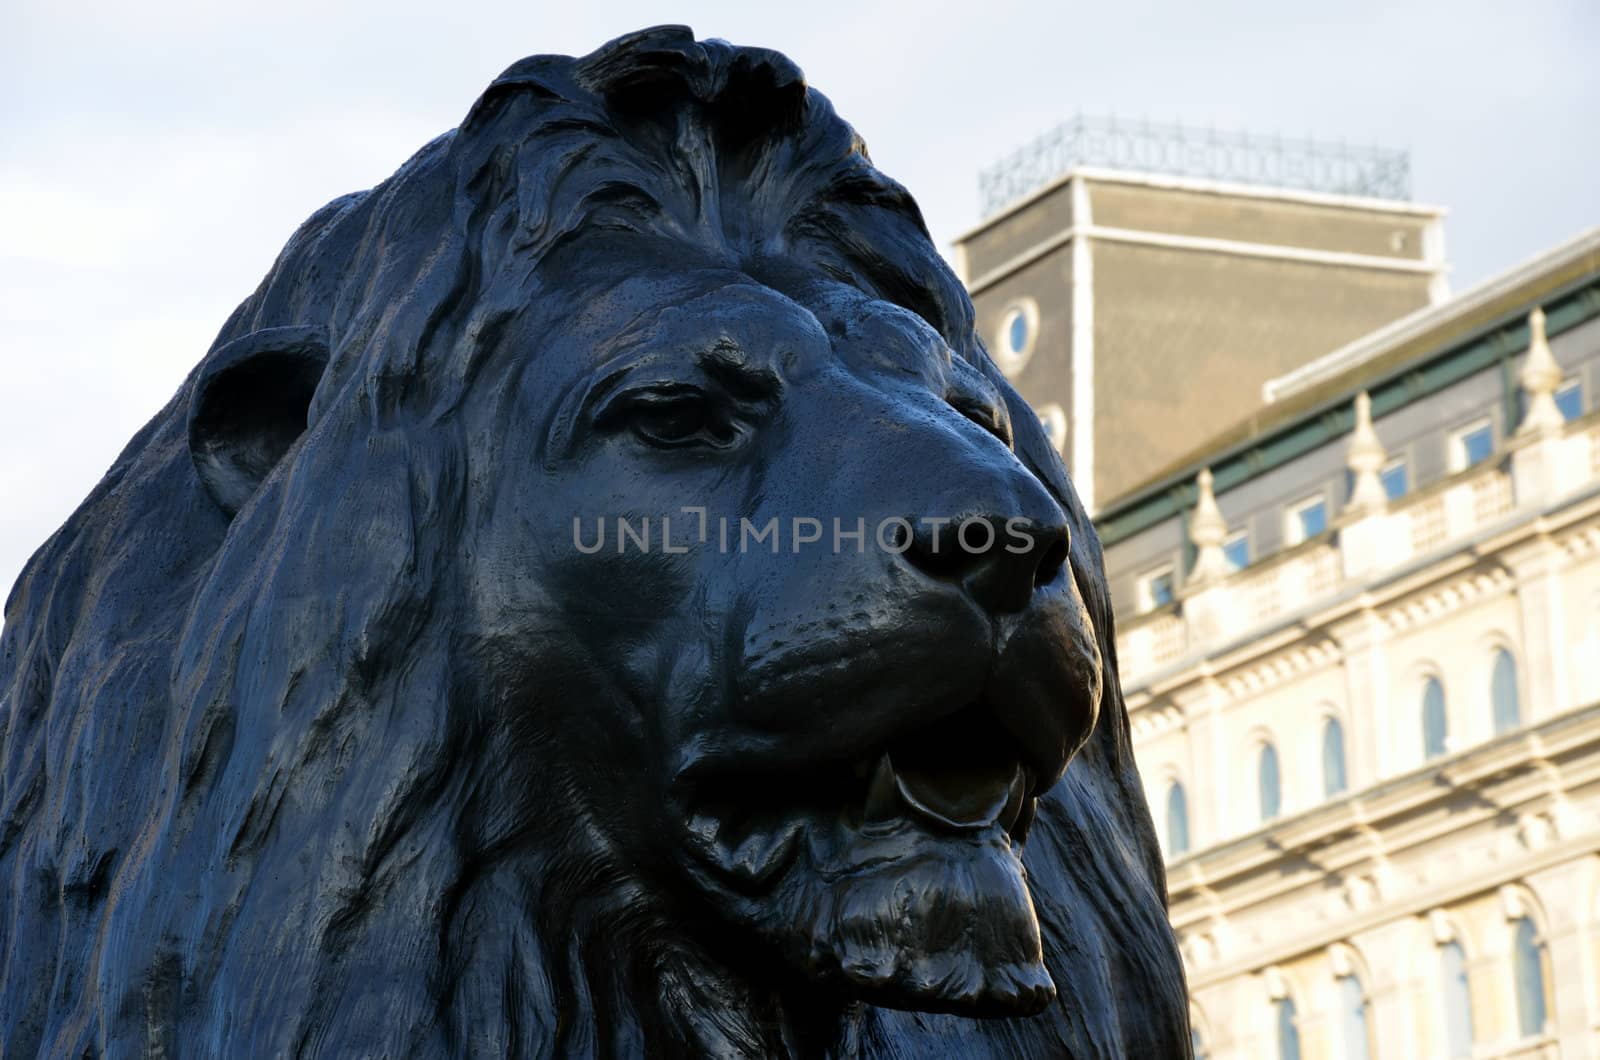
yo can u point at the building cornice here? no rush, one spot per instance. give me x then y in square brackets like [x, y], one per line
[1205, 187]
[1199, 244]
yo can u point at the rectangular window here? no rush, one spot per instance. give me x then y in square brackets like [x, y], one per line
[1396, 479]
[1569, 399]
[1156, 589]
[1306, 520]
[1472, 445]
[1236, 550]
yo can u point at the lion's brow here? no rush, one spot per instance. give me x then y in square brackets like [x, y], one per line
[729, 364]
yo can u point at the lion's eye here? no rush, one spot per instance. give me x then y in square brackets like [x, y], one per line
[678, 418]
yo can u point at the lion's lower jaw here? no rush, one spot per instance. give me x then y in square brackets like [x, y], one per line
[916, 920]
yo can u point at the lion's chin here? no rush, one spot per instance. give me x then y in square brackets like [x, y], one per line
[899, 913]
[917, 920]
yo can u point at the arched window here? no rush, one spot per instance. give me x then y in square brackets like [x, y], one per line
[1527, 964]
[1457, 1000]
[1435, 726]
[1268, 782]
[1333, 780]
[1503, 692]
[1177, 820]
[1353, 1033]
[1288, 1029]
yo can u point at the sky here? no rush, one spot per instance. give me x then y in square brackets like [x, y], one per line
[155, 156]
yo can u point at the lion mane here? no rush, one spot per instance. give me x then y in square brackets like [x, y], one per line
[237, 814]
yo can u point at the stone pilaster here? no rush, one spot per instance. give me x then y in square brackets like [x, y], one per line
[1209, 793]
[1538, 565]
[1371, 749]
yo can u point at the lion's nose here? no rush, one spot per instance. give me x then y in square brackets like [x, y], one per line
[1001, 562]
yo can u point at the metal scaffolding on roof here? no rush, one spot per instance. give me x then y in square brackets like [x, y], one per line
[1189, 151]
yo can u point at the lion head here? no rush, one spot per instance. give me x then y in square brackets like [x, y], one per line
[595, 597]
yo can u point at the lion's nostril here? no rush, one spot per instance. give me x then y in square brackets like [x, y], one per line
[936, 547]
[1050, 564]
[1001, 562]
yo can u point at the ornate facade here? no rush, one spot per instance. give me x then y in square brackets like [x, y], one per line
[1361, 646]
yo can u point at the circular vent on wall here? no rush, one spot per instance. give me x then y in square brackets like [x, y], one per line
[1054, 418]
[1016, 336]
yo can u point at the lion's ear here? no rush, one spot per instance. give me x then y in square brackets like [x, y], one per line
[248, 406]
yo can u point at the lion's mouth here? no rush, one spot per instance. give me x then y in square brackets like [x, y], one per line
[897, 875]
[960, 774]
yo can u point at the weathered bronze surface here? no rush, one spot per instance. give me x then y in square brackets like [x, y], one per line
[596, 597]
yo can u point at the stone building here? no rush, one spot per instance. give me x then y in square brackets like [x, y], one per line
[1106, 291]
[1360, 642]
[1358, 598]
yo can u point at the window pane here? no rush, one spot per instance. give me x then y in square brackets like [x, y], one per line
[1477, 445]
[1177, 820]
[1236, 550]
[1288, 1031]
[1268, 782]
[1457, 1000]
[1333, 781]
[1435, 727]
[1527, 961]
[1313, 519]
[1352, 1018]
[1507, 710]
[1396, 480]
[1197, 1045]
[1160, 590]
[1569, 399]
[1017, 332]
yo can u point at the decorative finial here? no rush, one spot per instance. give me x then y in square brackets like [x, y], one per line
[1541, 375]
[1365, 458]
[1207, 531]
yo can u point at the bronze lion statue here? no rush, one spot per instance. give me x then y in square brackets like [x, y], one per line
[402, 690]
